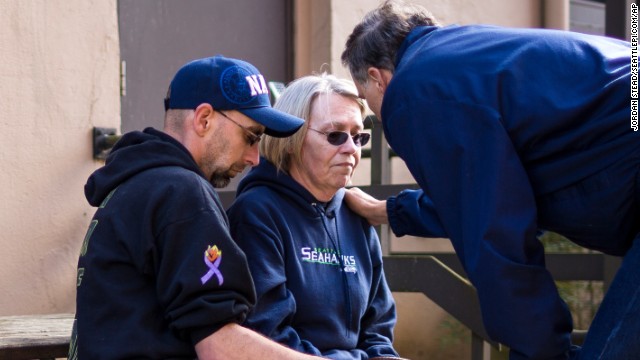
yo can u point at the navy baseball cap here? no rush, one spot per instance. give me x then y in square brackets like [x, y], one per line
[229, 84]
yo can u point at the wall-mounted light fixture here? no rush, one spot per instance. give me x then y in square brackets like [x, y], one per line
[103, 141]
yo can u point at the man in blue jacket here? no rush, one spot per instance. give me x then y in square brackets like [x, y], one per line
[509, 132]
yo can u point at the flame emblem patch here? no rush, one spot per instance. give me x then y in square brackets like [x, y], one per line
[212, 258]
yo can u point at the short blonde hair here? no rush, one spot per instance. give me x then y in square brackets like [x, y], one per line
[296, 99]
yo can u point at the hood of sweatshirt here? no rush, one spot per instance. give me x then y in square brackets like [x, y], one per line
[266, 174]
[134, 153]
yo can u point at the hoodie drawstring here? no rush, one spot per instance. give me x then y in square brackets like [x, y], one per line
[336, 245]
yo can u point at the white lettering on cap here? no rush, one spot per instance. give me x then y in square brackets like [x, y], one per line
[257, 84]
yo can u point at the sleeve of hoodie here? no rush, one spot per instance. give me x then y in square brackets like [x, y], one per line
[197, 301]
[482, 196]
[376, 326]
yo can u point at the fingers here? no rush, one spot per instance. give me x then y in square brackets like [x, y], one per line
[357, 193]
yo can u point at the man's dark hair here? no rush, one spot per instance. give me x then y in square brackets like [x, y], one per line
[376, 39]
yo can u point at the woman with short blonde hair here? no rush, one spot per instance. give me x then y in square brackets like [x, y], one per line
[297, 100]
[316, 265]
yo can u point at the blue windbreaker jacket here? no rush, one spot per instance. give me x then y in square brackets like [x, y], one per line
[508, 132]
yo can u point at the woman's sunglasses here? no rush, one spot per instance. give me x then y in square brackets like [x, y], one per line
[338, 138]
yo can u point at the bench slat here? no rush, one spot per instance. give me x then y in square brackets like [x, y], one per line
[35, 336]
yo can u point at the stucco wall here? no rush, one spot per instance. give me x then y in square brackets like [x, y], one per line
[59, 71]
[343, 15]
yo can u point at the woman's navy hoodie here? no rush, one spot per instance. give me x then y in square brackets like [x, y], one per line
[317, 269]
[146, 287]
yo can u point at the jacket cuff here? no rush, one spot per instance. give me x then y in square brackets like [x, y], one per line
[394, 222]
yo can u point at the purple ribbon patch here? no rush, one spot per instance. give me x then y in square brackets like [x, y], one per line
[213, 270]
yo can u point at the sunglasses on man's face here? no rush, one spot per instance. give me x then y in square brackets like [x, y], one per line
[338, 138]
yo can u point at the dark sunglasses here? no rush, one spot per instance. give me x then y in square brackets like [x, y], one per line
[338, 138]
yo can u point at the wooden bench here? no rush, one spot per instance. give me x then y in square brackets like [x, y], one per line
[35, 336]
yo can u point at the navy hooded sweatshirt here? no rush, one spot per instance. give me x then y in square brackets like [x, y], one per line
[317, 269]
[508, 132]
[150, 281]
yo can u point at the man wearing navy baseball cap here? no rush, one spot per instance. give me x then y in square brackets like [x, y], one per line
[229, 84]
[159, 276]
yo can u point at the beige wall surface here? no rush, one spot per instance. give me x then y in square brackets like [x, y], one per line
[344, 15]
[59, 71]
